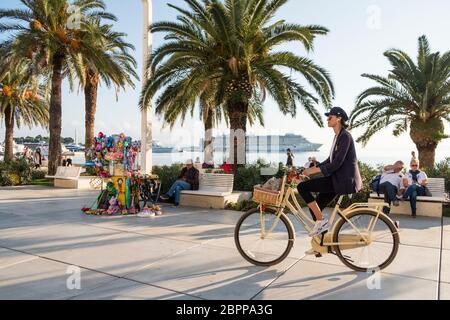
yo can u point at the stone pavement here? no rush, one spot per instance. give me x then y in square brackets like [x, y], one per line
[187, 254]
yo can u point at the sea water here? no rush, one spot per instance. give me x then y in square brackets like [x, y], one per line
[371, 157]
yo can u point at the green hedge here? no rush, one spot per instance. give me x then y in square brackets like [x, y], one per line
[441, 170]
[167, 175]
[245, 179]
[38, 174]
[250, 175]
[14, 173]
[19, 172]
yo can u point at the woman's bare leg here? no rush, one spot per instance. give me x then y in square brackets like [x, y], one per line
[316, 210]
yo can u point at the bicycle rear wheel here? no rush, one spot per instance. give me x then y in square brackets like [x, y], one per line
[255, 245]
[373, 256]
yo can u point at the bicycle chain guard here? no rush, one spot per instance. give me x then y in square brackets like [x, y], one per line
[316, 243]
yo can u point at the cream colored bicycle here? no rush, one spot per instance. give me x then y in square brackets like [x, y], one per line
[363, 237]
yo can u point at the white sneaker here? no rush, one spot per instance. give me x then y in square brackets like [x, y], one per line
[320, 227]
[311, 252]
[146, 214]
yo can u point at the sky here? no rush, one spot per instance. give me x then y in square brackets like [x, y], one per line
[360, 31]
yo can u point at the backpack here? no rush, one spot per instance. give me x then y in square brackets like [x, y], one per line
[375, 184]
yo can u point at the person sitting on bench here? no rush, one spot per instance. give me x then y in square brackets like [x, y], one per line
[188, 180]
[391, 184]
[415, 181]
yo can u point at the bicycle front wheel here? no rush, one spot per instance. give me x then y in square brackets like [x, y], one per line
[377, 248]
[264, 239]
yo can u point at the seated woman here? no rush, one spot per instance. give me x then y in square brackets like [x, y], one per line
[188, 180]
[415, 181]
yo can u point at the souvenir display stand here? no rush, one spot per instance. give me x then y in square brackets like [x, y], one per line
[115, 163]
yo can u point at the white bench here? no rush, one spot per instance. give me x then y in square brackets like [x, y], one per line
[66, 177]
[215, 191]
[426, 206]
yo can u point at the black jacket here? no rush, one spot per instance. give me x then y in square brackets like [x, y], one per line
[192, 177]
[344, 169]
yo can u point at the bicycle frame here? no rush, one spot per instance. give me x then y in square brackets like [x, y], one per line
[361, 238]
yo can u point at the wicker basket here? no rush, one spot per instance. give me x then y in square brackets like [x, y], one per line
[267, 197]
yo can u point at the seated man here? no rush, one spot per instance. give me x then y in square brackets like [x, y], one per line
[188, 180]
[415, 181]
[391, 184]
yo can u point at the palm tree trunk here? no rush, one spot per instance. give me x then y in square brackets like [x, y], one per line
[426, 136]
[90, 97]
[427, 155]
[54, 155]
[9, 133]
[238, 113]
[209, 139]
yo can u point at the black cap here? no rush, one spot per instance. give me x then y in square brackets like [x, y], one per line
[338, 112]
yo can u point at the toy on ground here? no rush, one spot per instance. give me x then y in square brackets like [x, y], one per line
[146, 213]
[113, 206]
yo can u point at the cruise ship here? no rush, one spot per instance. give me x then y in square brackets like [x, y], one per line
[272, 143]
[157, 148]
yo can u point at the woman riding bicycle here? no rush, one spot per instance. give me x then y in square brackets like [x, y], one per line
[341, 172]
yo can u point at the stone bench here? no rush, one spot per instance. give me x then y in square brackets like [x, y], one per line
[66, 177]
[426, 206]
[215, 191]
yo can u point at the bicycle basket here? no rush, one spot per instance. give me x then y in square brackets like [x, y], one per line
[267, 197]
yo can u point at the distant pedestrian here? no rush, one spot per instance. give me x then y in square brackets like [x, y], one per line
[414, 158]
[290, 158]
[69, 162]
[37, 158]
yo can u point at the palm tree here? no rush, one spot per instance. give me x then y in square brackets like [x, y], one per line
[210, 114]
[45, 32]
[413, 96]
[179, 108]
[234, 43]
[22, 101]
[118, 69]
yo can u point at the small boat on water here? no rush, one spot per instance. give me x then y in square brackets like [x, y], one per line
[18, 148]
[192, 149]
[74, 147]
